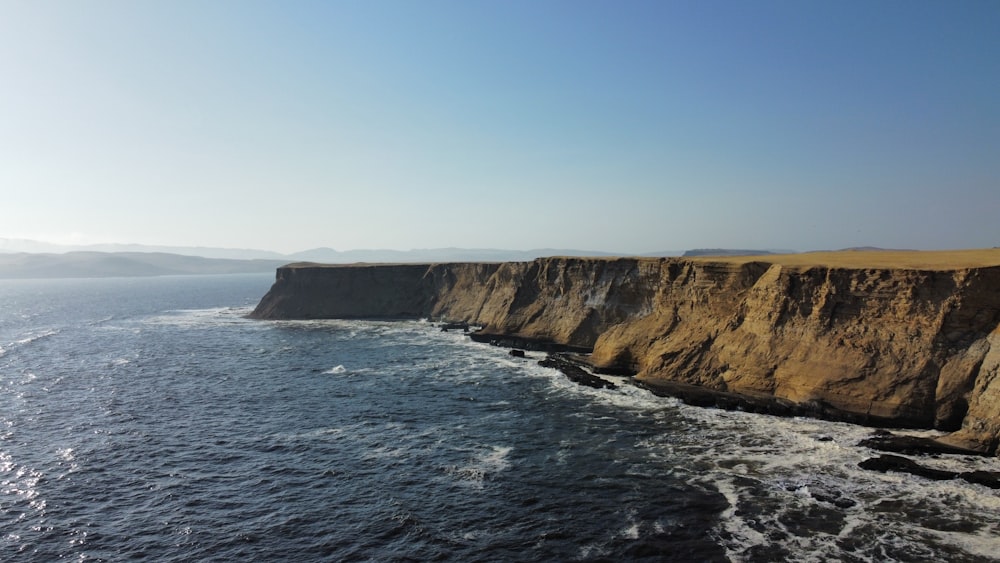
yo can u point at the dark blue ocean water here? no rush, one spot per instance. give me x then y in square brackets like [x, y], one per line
[148, 419]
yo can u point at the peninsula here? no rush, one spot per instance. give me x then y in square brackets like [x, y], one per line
[906, 338]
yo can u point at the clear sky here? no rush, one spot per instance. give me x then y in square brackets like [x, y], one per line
[628, 126]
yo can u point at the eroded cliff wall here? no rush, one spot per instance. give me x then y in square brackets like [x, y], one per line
[906, 346]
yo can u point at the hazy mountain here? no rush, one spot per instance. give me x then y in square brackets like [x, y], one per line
[663, 253]
[324, 254]
[8, 245]
[123, 264]
[21, 258]
[331, 256]
[874, 249]
[695, 252]
[203, 251]
[33, 259]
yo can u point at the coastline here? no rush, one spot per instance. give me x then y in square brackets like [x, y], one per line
[896, 339]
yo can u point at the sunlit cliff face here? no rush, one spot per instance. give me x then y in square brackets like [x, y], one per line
[915, 347]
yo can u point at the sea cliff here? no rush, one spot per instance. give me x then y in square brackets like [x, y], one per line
[895, 339]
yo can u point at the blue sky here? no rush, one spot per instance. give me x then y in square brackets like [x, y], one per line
[613, 126]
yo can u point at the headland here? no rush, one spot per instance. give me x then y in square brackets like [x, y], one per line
[894, 338]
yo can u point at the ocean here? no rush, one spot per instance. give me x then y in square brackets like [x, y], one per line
[149, 419]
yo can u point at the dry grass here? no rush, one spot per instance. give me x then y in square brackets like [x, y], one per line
[904, 259]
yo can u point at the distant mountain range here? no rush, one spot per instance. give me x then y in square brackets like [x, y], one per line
[20, 258]
[331, 256]
[8, 245]
[123, 264]
[724, 252]
[324, 254]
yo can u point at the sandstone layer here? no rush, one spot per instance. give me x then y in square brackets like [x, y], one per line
[908, 340]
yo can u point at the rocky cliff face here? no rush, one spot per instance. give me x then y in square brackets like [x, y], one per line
[903, 346]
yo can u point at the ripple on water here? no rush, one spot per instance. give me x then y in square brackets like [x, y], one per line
[193, 434]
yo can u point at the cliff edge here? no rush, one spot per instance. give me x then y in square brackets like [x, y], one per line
[895, 338]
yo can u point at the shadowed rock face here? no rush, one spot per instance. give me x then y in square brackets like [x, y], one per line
[901, 346]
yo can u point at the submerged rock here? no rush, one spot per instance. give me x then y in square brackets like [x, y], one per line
[901, 464]
[913, 445]
[576, 373]
[888, 462]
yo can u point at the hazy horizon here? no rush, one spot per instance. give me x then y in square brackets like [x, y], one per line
[629, 127]
[12, 245]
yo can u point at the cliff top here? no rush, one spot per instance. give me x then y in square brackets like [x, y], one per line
[859, 259]
[903, 259]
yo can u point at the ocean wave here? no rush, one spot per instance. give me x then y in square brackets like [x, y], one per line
[212, 316]
[482, 466]
[35, 336]
[256, 454]
[794, 484]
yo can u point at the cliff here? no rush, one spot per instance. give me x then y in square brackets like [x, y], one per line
[907, 339]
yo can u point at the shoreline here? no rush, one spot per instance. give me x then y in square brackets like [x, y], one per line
[904, 339]
[574, 368]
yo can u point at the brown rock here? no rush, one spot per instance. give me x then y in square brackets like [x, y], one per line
[909, 339]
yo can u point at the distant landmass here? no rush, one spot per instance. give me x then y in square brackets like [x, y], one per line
[731, 252]
[331, 256]
[848, 370]
[23, 258]
[323, 254]
[26, 259]
[875, 249]
[662, 254]
[9, 245]
[123, 264]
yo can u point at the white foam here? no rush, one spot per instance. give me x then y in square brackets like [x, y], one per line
[497, 458]
[631, 529]
[982, 543]
[336, 370]
[794, 465]
[799, 463]
[213, 316]
[34, 336]
[483, 465]
[736, 527]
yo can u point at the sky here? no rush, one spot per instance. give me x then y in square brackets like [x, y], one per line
[626, 126]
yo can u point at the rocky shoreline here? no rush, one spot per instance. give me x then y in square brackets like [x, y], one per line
[575, 369]
[914, 346]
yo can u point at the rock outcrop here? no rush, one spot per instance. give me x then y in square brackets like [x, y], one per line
[891, 344]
